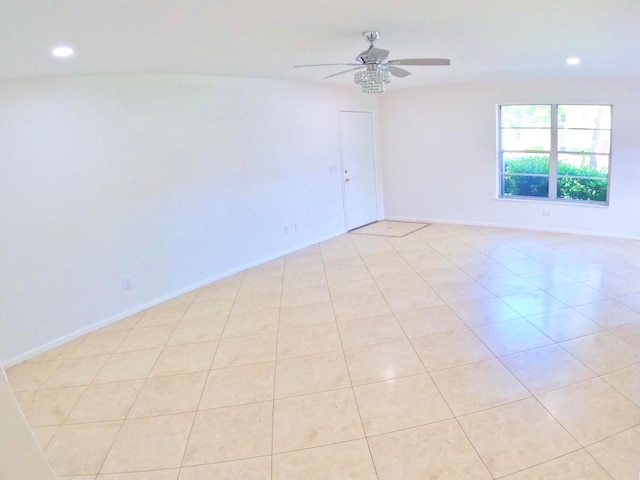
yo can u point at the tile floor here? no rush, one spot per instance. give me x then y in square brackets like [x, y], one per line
[451, 353]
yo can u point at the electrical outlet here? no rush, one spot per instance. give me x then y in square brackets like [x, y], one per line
[286, 229]
[126, 283]
[546, 213]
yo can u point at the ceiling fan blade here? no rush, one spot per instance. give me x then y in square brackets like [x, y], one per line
[345, 71]
[330, 65]
[379, 54]
[398, 72]
[421, 61]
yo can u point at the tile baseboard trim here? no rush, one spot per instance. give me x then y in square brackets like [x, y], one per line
[139, 308]
[512, 226]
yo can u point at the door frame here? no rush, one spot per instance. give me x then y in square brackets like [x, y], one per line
[376, 165]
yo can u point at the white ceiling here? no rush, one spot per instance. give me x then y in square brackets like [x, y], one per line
[485, 39]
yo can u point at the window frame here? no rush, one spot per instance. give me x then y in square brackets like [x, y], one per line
[553, 153]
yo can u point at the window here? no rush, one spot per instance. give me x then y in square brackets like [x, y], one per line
[555, 151]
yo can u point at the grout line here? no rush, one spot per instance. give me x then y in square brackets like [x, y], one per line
[275, 367]
[195, 413]
[344, 357]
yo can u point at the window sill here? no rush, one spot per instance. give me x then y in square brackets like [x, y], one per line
[555, 201]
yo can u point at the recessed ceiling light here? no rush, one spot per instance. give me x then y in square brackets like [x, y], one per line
[62, 52]
[573, 60]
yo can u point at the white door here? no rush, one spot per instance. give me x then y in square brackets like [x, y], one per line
[358, 168]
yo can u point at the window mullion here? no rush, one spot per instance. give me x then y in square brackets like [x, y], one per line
[553, 155]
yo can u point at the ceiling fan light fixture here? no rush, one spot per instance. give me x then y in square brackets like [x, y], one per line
[373, 80]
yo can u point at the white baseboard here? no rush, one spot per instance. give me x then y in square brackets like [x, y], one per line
[139, 308]
[513, 226]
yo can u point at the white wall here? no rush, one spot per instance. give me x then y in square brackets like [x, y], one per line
[20, 455]
[171, 181]
[439, 156]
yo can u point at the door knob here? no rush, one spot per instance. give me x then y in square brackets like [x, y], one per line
[347, 179]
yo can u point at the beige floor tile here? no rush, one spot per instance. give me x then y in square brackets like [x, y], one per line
[353, 289]
[253, 323]
[310, 279]
[533, 302]
[231, 433]
[196, 331]
[298, 341]
[43, 435]
[508, 284]
[238, 385]
[619, 454]
[516, 436]
[439, 451]
[252, 303]
[169, 474]
[311, 374]
[370, 331]
[576, 294]
[125, 324]
[613, 286]
[306, 315]
[348, 460]
[602, 352]
[152, 443]
[564, 325]
[550, 278]
[486, 310]
[81, 449]
[127, 366]
[208, 310]
[632, 301]
[305, 296]
[527, 265]
[30, 375]
[396, 283]
[360, 307]
[51, 406]
[250, 469]
[169, 395]
[408, 300]
[176, 359]
[630, 334]
[260, 286]
[399, 404]
[626, 381]
[233, 352]
[314, 420]
[546, 368]
[163, 314]
[419, 323]
[382, 362]
[75, 371]
[24, 397]
[146, 338]
[609, 313]
[218, 290]
[478, 386]
[441, 273]
[99, 343]
[512, 336]
[592, 410]
[353, 273]
[462, 292]
[450, 349]
[58, 353]
[78, 477]
[574, 466]
[105, 402]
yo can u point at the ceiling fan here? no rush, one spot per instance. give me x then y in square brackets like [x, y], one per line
[377, 69]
